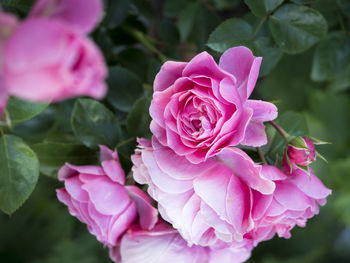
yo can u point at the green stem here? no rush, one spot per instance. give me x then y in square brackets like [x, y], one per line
[280, 130]
[146, 42]
[261, 155]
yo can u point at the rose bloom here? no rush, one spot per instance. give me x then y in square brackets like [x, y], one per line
[209, 202]
[296, 199]
[77, 13]
[47, 60]
[163, 244]
[200, 107]
[300, 155]
[8, 23]
[97, 197]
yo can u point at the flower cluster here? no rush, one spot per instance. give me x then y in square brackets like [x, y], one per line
[47, 56]
[216, 203]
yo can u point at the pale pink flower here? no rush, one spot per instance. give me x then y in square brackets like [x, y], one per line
[97, 197]
[208, 202]
[296, 199]
[47, 60]
[164, 245]
[200, 107]
[81, 14]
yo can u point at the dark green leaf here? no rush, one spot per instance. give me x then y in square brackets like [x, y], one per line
[124, 88]
[331, 57]
[341, 82]
[53, 155]
[173, 8]
[296, 28]
[19, 172]
[93, 124]
[21, 110]
[186, 20]
[117, 11]
[230, 33]
[271, 53]
[303, 2]
[262, 7]
[167, 32]
[344, 6]
[138, 120]
[196, 22]
[226, 4]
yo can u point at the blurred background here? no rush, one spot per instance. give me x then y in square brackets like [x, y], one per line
[305, 46]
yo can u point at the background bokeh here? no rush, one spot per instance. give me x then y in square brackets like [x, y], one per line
[306, 72]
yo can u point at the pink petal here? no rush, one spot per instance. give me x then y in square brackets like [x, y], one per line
[291, 197]
[74, 12]
[74, 188]
[263, 111]
[273, 173]
[204, 64]
[147, 213]
[255, 135]
[108, 197]
[241, 63]
[260, 204]
[168, 74]
[310, 185]
[244, 167]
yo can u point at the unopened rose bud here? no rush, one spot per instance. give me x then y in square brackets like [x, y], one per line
[301, 151]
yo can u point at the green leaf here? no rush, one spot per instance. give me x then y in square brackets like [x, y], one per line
[344, 6]
[20, 110]
[173, 8]
[230, 33]
[303, 2]
[341, 82]
[117, 11]
[296, 28]
[124, 88]
[93, 124]
[271, 53]
[53, 155]
[196, 23]
[261, 8]
[332, 55]
[19, 172]
[138, 120]
[186, 20]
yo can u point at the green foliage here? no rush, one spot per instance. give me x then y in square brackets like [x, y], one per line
[261, 8]
[93, 124]
[296, 28]
[20, 111]
[19, 172]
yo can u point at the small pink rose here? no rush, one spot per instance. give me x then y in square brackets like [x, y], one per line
[295, 200]
[208, 202]
[46, 60]
[199, 107]
[97, 197]
[81, 14]
[164, 245]
[301, 151]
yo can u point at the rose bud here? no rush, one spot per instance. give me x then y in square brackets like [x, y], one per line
[301, 151]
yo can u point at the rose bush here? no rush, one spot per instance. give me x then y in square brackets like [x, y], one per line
[200, 107]
[97, 197]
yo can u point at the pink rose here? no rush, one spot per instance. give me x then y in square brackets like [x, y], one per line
[81, 14]
[301, 151]
[200, 107]
[164, 245]
[97, 197]
[8, 23]
[46, 60]
[297, 198]
[208, 202]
